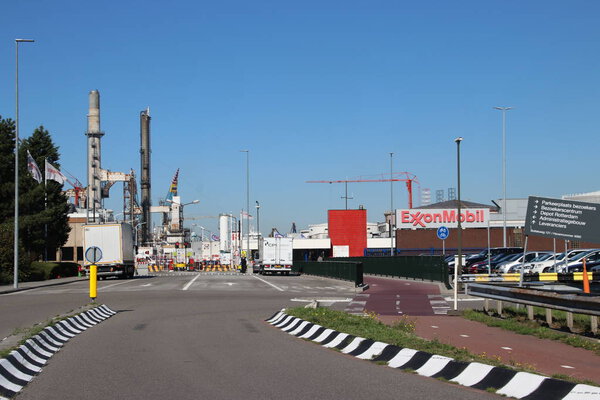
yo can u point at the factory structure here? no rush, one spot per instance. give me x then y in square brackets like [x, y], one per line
[346, 232]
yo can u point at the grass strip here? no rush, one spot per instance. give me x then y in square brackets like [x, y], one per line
[401, 334]
[532, 328]
[27, 333]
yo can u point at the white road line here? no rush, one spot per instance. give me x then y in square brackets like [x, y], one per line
[269, 283]
[114, 284]
[506, 348]
[190, 282]
[567, 366]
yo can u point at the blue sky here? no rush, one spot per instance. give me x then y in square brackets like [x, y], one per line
[316, 90]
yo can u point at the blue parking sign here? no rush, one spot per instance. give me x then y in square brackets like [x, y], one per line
[443, 233]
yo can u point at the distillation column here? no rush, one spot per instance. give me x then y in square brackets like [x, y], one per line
[94, 134]
[146, 222]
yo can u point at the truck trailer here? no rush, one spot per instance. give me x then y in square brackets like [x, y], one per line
[115, 241]
[276, 255]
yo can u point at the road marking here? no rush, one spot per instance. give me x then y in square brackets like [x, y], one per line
[506, 348]
[567, 366]
[146, 285]
[114, 284]
[229, 283]
[190, 282]
[269, 283]
[434, 326]
[464, 335]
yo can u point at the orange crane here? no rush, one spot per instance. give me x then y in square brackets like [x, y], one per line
[406, 177]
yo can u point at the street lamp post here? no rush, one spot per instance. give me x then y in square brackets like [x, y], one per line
[391, 205]
[16, 233]
[257, 229]
[458, 263]
[504, 110]
[136, 229]
[248, 252]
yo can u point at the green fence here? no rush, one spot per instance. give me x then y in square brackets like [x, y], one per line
[350, 270]
[431, 268]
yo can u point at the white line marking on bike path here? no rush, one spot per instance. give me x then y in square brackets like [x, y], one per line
[269, 283]
[190, 282]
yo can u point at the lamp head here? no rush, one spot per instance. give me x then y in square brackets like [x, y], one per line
[458, 139]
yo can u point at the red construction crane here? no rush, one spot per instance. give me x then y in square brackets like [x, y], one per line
[395, 177]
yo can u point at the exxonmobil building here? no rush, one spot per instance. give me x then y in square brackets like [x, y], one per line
[481, 223]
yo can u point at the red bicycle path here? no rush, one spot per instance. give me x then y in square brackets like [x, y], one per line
[392, 298]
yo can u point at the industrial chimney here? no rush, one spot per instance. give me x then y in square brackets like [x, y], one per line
[146, 222]
[94, 156]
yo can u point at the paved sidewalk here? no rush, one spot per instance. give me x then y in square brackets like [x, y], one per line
[4, 289]
[546, 356]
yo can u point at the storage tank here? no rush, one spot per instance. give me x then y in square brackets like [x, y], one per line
[225, 233]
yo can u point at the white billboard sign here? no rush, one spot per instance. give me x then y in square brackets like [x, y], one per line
[434, 218]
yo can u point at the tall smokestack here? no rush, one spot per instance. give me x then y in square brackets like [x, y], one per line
[145, 174]
[94, 154]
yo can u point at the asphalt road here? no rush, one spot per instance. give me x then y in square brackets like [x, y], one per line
[190, 336]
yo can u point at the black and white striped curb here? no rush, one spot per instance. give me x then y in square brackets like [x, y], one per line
[22, 364]
[507, 382]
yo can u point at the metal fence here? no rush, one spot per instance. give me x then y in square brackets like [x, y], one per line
[431, 268]
[345, 270]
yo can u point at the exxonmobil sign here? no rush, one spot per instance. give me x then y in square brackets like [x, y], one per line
[434, 218]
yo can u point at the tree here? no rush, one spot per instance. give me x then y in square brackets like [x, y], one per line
[43, 221]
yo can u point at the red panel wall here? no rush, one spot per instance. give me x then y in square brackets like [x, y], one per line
[348, 228]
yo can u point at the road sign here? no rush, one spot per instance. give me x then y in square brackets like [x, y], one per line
[93, 254]
[563, 219]
[443, 233]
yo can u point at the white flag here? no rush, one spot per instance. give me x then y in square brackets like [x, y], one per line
[54, 174]
[33, 168]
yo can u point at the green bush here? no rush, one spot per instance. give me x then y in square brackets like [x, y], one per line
[41, 271]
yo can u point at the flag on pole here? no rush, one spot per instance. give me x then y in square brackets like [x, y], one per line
[214, 237]
[54, 174]
[173, 188]
[246, 215]
[33, 168]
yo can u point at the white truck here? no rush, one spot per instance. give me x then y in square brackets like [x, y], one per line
[276, 255]
[115, 241]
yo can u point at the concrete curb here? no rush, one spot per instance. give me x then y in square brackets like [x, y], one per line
[507, 382]
[24, 363]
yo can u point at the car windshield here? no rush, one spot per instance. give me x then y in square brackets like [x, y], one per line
[513, 257]
[542, 257]
[560, 256]
[579, 256]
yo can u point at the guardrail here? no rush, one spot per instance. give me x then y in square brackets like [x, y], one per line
[535, 277]
[346, 270]
[571, 303]
[432, 268]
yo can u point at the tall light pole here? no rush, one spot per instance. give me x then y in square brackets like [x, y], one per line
[248, 252]
[458, 263]
[257, 229]
[257, 218]
[391, 205]
[16, 236]
[504, 110]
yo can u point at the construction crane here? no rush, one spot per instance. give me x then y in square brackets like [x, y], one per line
[406, 177]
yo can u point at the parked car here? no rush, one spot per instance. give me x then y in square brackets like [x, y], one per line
[577, 260]
[483, 255]
[560, 260]
[482, 266]
[519, 259]
[592, 259]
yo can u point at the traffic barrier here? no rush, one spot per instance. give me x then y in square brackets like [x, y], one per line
[504, 381]
[535, 277]
[23, 364]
